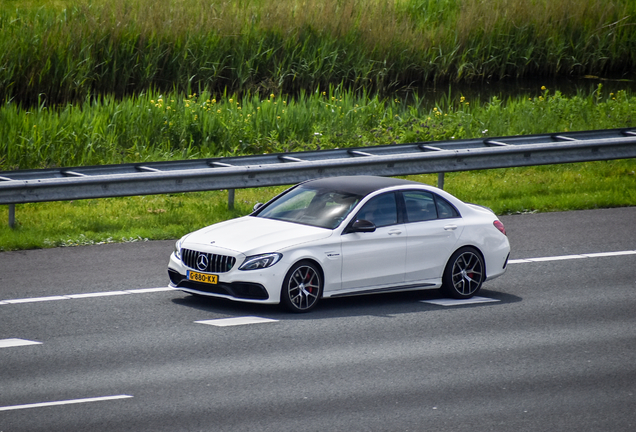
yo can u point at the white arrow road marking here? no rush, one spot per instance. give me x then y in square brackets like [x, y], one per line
[226, 322]
[65, 402]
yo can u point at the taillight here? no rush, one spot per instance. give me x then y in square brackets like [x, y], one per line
[499, 226]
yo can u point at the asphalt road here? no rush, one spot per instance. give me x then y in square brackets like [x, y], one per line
[85, 347]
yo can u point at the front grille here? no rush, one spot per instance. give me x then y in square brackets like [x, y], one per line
[215, 263]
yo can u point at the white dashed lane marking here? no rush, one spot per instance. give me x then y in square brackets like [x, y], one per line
[153, 290]
[64, 402]
[457, 302]
[85, 295]
[14, 342]
[570, 257]
[227, 322]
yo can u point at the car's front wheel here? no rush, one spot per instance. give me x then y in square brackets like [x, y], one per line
[464, 274]
[302, 287]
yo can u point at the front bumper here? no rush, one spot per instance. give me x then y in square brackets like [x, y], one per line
[238, 290]
[246, 286]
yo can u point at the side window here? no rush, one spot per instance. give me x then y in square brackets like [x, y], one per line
[420, 206]
[445, 209]
[381, 210]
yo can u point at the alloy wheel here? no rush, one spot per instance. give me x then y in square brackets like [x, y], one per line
[467, 273]
[464, 274]
[302, 288]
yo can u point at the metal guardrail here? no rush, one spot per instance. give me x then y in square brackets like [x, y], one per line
[25, 186]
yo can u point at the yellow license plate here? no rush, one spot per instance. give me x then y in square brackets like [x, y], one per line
[202, 277]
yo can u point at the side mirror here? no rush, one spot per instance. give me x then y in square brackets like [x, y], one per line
[362, 225]
[257, 206]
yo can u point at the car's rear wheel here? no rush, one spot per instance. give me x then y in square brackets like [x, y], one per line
[302, 287]
[464, 274]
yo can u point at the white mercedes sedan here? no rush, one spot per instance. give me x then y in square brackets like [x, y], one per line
[344, 236]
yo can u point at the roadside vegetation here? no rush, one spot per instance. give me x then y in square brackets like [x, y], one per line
[58, 51]
[96, 82]
[152, 127]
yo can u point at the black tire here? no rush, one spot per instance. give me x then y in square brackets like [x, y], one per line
[302, 287]
[464, 274]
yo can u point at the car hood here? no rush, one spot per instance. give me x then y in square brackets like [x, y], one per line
[250, 235]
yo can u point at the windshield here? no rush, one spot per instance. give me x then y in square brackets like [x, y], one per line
[315, 207]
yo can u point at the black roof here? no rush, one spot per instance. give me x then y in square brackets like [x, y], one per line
[358, 185]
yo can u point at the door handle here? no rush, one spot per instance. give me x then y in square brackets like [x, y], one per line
[450, 227]
[395, 232]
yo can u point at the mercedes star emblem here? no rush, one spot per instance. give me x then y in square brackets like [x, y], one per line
[202, 261]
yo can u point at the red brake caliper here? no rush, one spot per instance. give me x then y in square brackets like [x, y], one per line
[307, 280]
[471, 274]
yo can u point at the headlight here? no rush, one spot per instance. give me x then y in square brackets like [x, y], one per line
[260, 261]
[177, 247]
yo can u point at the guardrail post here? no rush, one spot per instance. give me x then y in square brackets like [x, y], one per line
[440, 180]
[11, 215]
[230, 199]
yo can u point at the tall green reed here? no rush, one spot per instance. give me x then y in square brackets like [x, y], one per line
[125, 47]
[155, 126]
